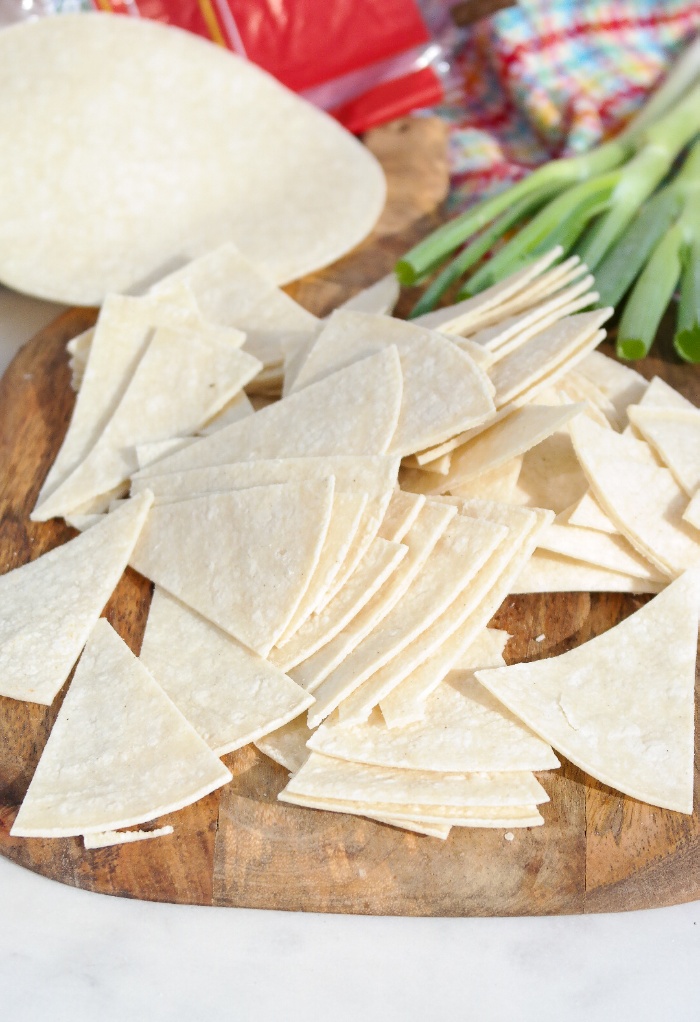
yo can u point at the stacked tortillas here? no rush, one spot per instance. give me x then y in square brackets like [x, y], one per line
[304, 602]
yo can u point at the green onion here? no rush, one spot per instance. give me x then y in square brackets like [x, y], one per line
[650, 296]
[687, 338]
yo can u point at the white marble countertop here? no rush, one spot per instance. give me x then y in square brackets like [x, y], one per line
[69, 955]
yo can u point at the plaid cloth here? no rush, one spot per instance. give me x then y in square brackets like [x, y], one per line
[552, 78]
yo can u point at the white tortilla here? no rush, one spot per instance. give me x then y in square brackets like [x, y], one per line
[546, 572]
[366, 676]
[660, 394]
[248, 580]
[644, 501]
[379, 298]
[127, 837]
[675, 436]
[620, 384]
[621, 706]
[444, 391]
[588, 513]
[464, 316]
[238, 408]
[287, 745]
[119, 754]
[400, 515]
[420, 540]
[51, 604]
[228, 694]
[498, 484]
[124, 328]
[597, 548]
[324, 777]
[547, 351]
[500, 817]
[354, 411]
[152, 451]
[382, 558]
[551, 475]
[464, 730]
[182, 379]
[231, 291]
[692, 512]
[205, 150]
[465, 620]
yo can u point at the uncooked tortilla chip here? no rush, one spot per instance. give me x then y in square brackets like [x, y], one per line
[588, 513]
[675, 436]
[287, 745]
[660, 394]
[621, 706]
[620, 384]
[382, 558]
[231, 291]
[151, 452]
[123, 330]
[400, 515]
[228, 694]
[464, 730]
[238, 408]
[181, 381]
[597, 548]
[644, 501]
[123, 837]
[498, 484]
[248, 580]
[546, 572]
[378, 299]
[551, 475]
[500, 817]
[458, 628]
[459, 555]
[420, 540]
[119, 754]
[324, 777]
[219, 152]
[444, 391]
[354, 411]
[692, 512]
[51, 604]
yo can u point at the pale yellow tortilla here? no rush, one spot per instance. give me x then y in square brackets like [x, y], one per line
[118, 837]
[152, 451]
[675, 436]
[324, 777]
[444, 391]
[124, 328]
[644, 501]
[287, 745]
[382, 558]
[231, 291]
[51, 604]
[400, 515]
[578, 387]
[354, 411]
[238, 408]
[379, 298]
[119, 754]
[465, 620]
[182, 380]
[551, 475]
[248, 580]
[660, 394]
[407, 816]
[420, 540]
[463, 730]
[544, 353]
[465, 316]
[619, 383]
[692, 511]
[588, 513]
[597, 548]
[621, 706]
[546, 572]
[182, 146]
[365, 677]
[498, 484]
[228, 694]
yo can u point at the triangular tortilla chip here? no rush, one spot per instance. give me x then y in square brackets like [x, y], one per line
[152, 451]
[675, 436]
[120, 752]
[287, 745]
[228, 694]
[645, 502]
[546, 572]
[598, 548]
[50, 605]
[407, 816]
[324, 777]
[464, 730]
[400, 515]
[444, 392]
[354, 411]
[692, 512]
[123, 330]
[498, 484]
[379, 298]
[377, 565]
[231, 291]
[551, 475]
[420, 540]
[621, 706]
[588, 513]
[238, 408]
[620, 384]
[660, 394]
[247, 579]
[459, 554]
[181, 381]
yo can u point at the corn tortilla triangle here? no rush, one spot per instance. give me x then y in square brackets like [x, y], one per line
[621, 706]
[120, 752]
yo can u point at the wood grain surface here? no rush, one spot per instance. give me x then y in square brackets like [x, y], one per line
[598, 851]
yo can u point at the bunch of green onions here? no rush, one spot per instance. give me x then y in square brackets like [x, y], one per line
[625, 208]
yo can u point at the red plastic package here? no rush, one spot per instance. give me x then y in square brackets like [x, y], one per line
[363, 61]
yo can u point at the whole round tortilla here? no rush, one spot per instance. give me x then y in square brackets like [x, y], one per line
[130, 147]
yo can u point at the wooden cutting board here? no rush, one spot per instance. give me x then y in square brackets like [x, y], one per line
[597, 851]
